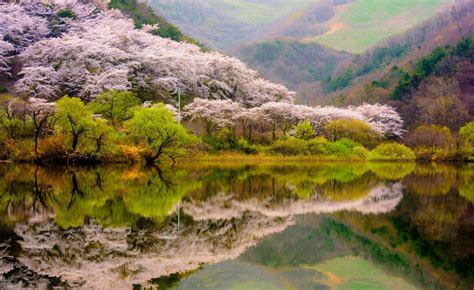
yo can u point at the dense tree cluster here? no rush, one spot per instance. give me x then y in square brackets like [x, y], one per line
[68, 48]
[282, 116]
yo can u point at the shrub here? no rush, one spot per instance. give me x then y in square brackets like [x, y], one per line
[391, 151]
[432, 142]
[244, 146]
[360, 152]
[352, 129]
[339, 148]
[52, 148]
[303, 130]
[3, 90]
[21, 150]
[318, 146]
[467, 134]
[290, 146]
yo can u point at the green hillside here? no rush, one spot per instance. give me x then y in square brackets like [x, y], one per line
[351, 26]
[362, 24]
[225, 23]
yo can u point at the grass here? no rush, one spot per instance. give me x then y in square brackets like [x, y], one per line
[356, 273]
[364, 23]
[256, 12]
[354, 28]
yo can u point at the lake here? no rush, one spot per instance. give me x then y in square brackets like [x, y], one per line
[241, 226]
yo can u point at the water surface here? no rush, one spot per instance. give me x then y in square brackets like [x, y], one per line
[266, 226]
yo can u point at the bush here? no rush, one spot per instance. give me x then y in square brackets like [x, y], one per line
[467, 148]
[318, 146]
[432, 142]
[244, 146]
[360, 152]
[3, 90]
[352, 129]
[304, 131]
[52, 148]
[290, 147]
[391, 151]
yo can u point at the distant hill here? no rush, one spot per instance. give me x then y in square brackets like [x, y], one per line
[322, 75]
[348, 25]
[301, 67]
[224, 24]
[142, 14]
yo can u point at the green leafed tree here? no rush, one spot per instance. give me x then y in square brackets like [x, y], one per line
[160, 132]
[114, 105]
[304, 130]
[467, 134]
[100, 133]
[74, 119]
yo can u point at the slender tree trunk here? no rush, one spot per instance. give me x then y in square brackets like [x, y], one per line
[75, 141]
[36, 142]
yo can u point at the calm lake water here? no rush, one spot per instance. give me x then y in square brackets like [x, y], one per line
[302, 226]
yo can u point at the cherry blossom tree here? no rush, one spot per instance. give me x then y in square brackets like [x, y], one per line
[5, 50]
[214, 114]
[19, 27]
[106, 52]
[382, 118]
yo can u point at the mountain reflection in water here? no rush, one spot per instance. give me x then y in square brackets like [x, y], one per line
[297, 225]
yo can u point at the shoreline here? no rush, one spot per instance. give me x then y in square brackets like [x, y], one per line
[231, 157]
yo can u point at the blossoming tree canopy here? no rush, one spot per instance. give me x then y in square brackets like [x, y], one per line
[70, 48]
[217, 114]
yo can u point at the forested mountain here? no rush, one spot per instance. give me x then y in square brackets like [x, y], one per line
[321, 75]
[308, 44]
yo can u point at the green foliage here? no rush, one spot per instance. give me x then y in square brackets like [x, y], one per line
[467, 134]
[74, 119]
[392, 151]
[114, 105]
[465, 49]
[340, 82]
[428, 65]
[318, 146]
[290, 147]
[3, 89]
[304, 131]
[101, 133]
[157, 128]
[13, 122]
[66, 13]
[244, 146]
[142, 14]
[355, 130]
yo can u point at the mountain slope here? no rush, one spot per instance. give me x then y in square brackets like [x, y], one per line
[320, 74]
[299, 66]
[347, 25]
[360, 25]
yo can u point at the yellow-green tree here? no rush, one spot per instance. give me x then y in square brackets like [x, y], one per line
[74, 119]
[159, 131]
[355, 130]
[114, 105]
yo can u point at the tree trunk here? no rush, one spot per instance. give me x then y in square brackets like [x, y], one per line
[75, 141]
[36, 142]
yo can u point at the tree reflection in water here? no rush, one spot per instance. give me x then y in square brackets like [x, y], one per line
[116, 226]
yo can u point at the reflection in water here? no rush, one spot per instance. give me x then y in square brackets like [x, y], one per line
[118, 226]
